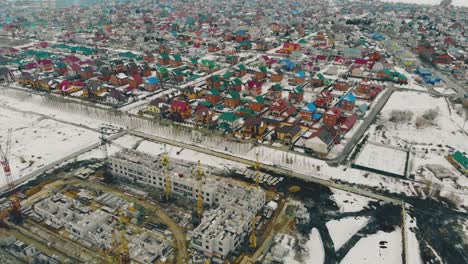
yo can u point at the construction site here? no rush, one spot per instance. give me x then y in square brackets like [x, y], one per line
[132, 207]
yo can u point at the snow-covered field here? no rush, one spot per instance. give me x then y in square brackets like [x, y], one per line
[37, 141]
[343, 229]
[383, 158]
[349, 202]
[429, 144]
[381, 247]
[429, 2]
[414, 255]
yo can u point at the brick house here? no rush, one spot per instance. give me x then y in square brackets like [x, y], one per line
[232, 99]
[332, 115]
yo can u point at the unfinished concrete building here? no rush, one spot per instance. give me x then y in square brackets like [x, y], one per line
[223, 228]
[97, 228]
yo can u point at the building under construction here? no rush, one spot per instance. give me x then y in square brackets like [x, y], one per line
[223, 228]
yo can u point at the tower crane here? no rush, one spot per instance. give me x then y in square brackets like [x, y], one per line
[199, 177]
[15, 204]
[167, 177]
[120, 253]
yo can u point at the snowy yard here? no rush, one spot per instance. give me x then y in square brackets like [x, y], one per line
[430, 143]
[37, 141]
[383, 158]
[349, 202]
[381, 247]
[343, 229]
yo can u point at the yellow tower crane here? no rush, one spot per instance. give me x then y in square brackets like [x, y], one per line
[167, 177]
[199, 177]
[124, 250]
[253, 236]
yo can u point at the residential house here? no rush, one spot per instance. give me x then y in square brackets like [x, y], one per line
[228, 121]
[158, 106]
[287, 134]
[324, 100]
[175, 60]
[332, 115]
[276, 75]
[297, 94]
[204, 115]
[275, 91]
[235, 84]
[348, 102]
[135, 81]
[214, 81]
[240, 70]
[148, 57]
[191, 92]
[323, 141]
[119, 79]
[364, 87]
[278, 107]
[348, 123]
[261, 73]
[254, 87]
[307, 111]
[116, 97]
[180, 110]
[258, 104]
[254, 127]
[341, 85]
[87, 72]
[213, 96]
[164, 59]
[152, 83]
[299, 78]
[232, 99]
[394, 76]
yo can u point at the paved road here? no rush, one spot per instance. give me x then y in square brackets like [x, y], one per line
[305, 177]
[362, 129]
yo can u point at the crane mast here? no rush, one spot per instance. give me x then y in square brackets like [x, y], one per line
[15, 204]
[199, 178]
[167, 177]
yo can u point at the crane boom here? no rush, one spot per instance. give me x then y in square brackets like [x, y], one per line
[5, 159]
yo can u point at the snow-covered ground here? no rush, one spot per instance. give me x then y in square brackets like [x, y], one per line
[349, 202]
[37, 141]
[315, 246]
[382, 247]
[316, 253]
[414, 255]
[429, 2]
[384, 158]
[188, 155]
[343, 229]
[431, 143]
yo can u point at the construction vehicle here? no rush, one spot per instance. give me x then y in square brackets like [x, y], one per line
[15, 204]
